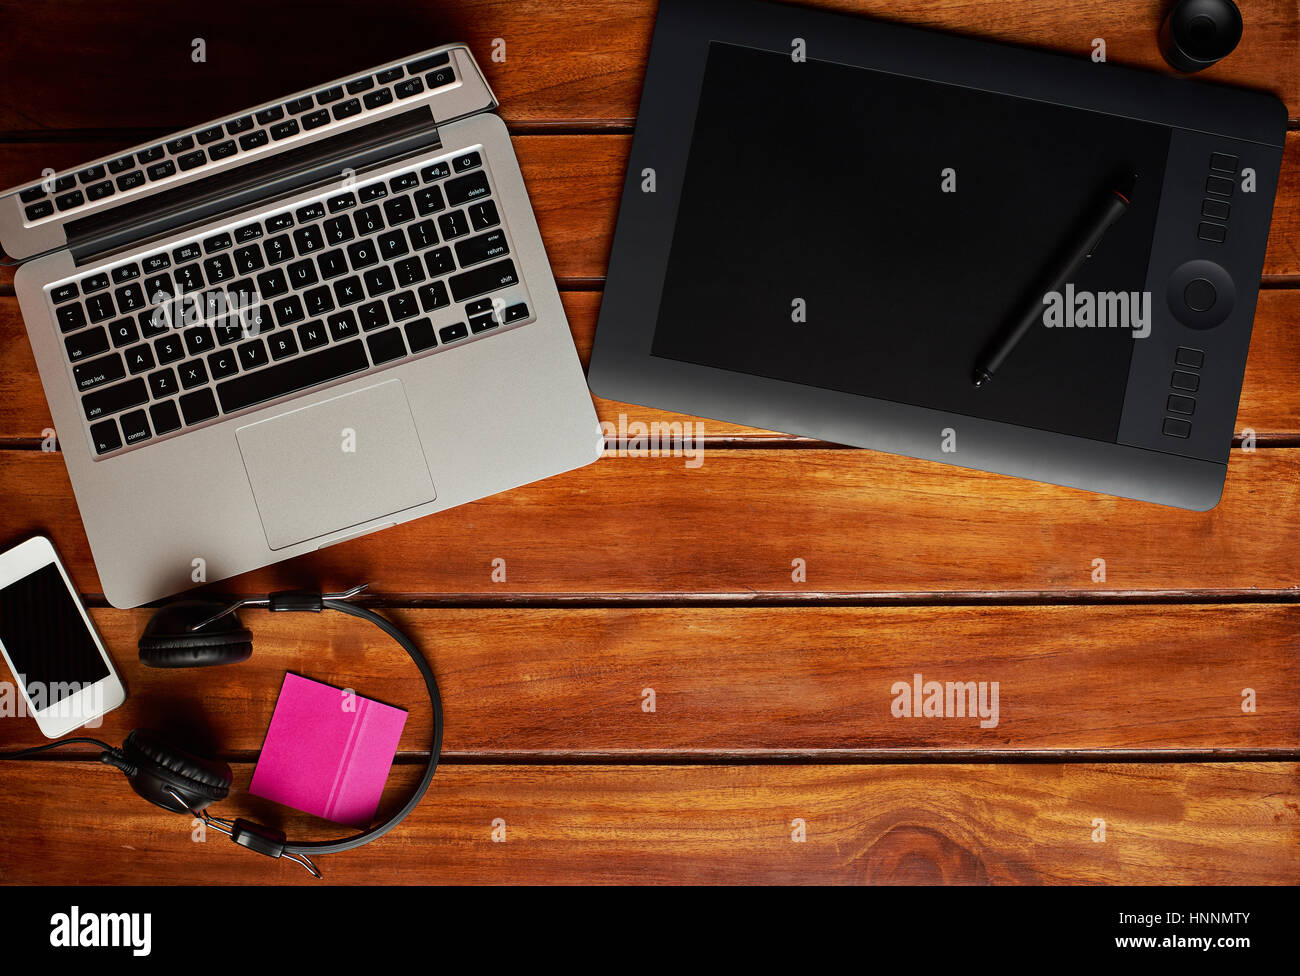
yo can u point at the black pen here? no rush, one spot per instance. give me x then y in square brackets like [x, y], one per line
[1071, 259]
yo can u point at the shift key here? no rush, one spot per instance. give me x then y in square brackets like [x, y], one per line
[112, 399]
[482, 280]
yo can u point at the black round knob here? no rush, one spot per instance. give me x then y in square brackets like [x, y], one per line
[1199, 33]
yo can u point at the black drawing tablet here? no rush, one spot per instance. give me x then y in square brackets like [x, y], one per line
[833, 238]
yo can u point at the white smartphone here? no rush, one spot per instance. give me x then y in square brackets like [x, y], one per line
[58, 661]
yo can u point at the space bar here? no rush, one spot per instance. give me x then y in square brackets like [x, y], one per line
[296, 374]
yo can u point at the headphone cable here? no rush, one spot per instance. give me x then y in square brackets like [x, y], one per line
[28, 753]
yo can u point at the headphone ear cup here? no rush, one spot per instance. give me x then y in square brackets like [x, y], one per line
[160, 768]
[167, 641]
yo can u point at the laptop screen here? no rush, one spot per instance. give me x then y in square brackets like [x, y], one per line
[869, 233]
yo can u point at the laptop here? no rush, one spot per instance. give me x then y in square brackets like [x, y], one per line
[314, 319]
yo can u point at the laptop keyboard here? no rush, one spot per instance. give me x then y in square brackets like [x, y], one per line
[238, 136]
[353, 281]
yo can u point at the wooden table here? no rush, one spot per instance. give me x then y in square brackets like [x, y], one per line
[650, 580]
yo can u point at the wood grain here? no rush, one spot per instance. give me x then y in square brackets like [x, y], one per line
[574, 183]
[1185, 823]
[863, 522]
[759, 683]
[565, 61]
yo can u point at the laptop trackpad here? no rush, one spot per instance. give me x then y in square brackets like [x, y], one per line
[336, 464]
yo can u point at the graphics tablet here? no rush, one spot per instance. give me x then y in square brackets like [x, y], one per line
[827, 219]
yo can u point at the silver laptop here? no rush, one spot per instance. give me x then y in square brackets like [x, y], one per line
[318, 318]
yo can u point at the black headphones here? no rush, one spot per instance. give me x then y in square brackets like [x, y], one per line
[202, 633]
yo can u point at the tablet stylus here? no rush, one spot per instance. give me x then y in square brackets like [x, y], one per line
[1111, 209]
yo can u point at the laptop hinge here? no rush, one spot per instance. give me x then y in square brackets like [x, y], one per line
[264, 179]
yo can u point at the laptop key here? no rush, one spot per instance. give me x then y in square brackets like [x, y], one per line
[36, 211]
[420, 335]
[332, 264]
[282, 345]
[292, 375]
[100, 190]
[124, 333]
[386, 346]
[316, 119]
[377, 98]
[312, 335]
[64, 293]
[180, 145]
[241, 124]
[422, 235]
[210, 135]
[222, 150]
[83, 345]
[251, 140]
[170, 348]
[466, 188]
[253, 354]
[284, 130]
[100, 307]
[70, 200]
[347, 109]
[433, 296]
[269, 115]
[440, 78]
[466, 161]
[329, 95]
[129, 181]
[409, 87]
[162, 384]
[222, 364]
[479, 281]
[249, 259]
[114, 399]
[348, 291]
[198, 406]
[71, 317]
[389, 75]
[481, 248]
[105, 437]
[429, 200]
[135, 427]
[453, 225]
[193, 374]
[299, 105]
[343, 326]
[139, 359]
[165, 418]
[161, 170]
[193, 159]
[450, 333]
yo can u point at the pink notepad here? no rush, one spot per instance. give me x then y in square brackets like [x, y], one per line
[327, 752]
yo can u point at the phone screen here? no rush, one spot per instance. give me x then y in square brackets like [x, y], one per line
[46, 638]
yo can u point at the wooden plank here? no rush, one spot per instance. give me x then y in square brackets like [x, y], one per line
[1188, 823]
[564, 60]
[862, 523]
[1270, 398]
[814, 682]
[574, 182]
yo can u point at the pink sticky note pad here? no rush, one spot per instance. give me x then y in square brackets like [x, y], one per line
[327, 752]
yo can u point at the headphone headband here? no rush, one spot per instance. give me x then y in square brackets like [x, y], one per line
[273, 843]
